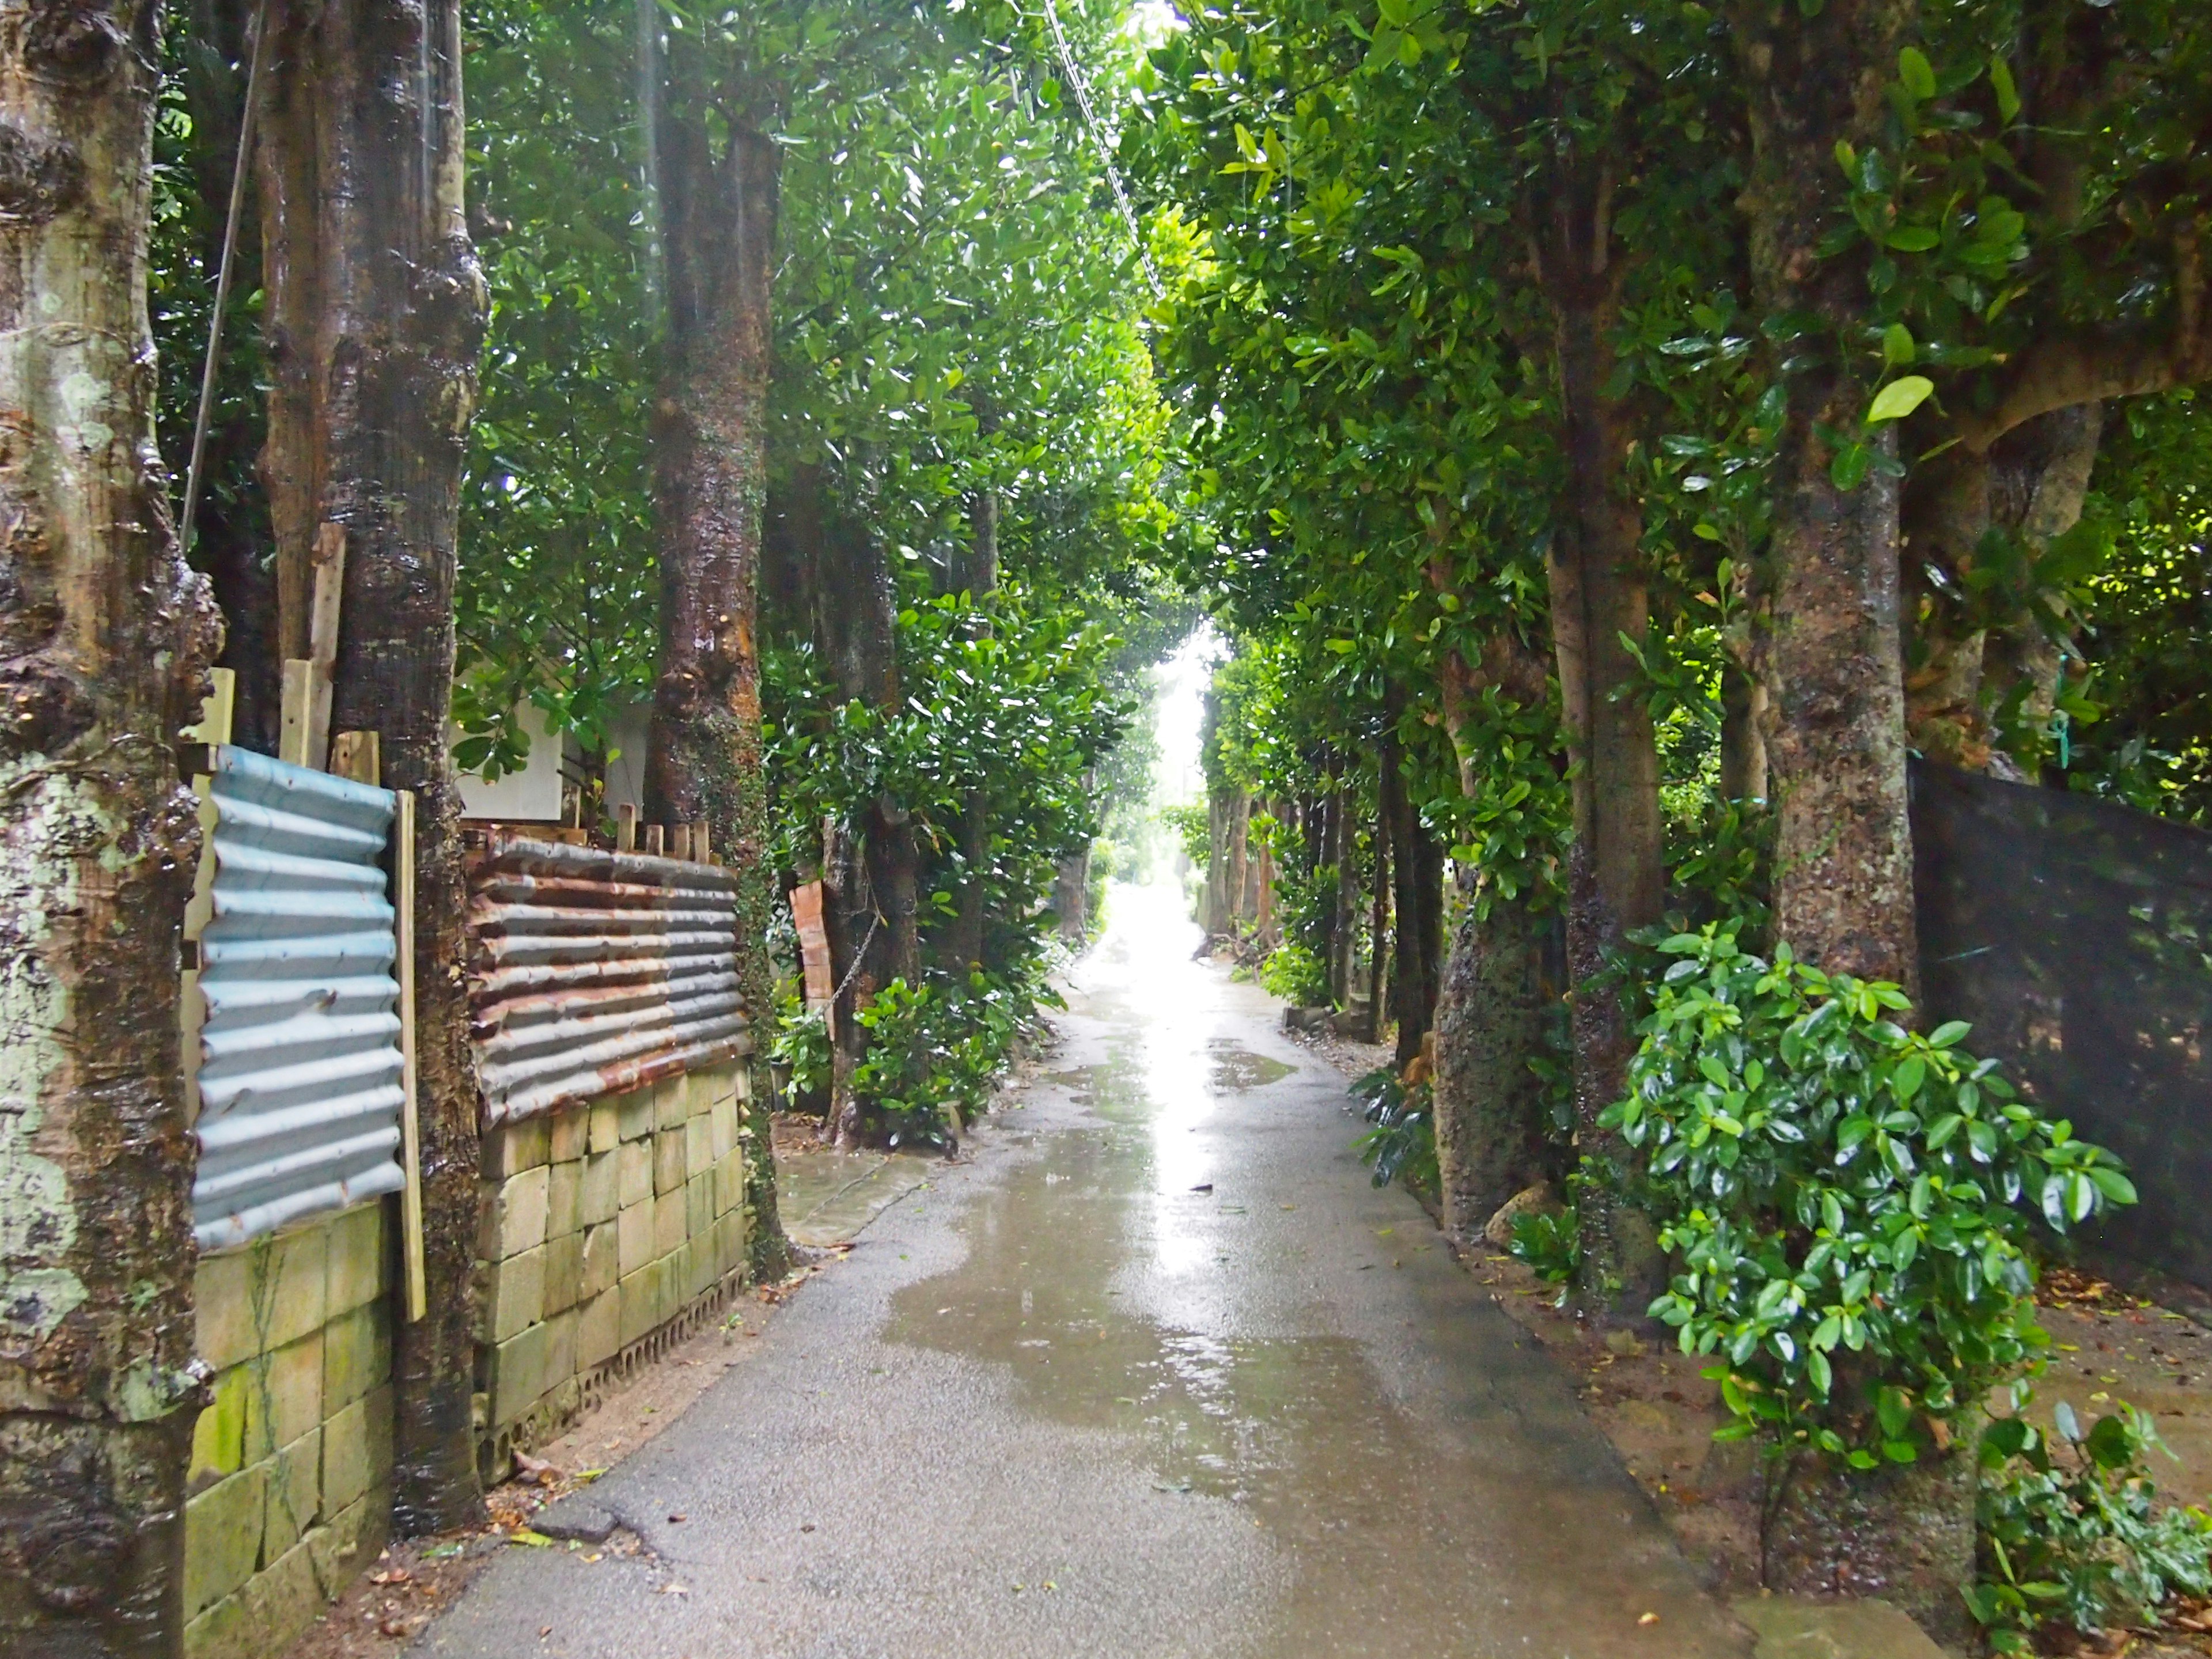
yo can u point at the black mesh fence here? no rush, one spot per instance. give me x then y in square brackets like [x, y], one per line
[2076, 937]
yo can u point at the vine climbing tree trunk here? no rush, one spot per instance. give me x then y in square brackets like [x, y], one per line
[105, 641]
[1601, 613]
[720, 181]
[376, 307]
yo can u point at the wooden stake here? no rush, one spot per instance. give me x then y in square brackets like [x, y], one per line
[698, 842]
[626, 827]
[217, 710]
[357, 755]
[653, 835]
[323, 637]
[292, 737]
[681, 833]
[410, 1137]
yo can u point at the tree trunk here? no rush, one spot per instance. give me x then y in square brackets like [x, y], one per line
[1217, 915]
[1832, 655]
[1599, 605]
[1071, 896]
[1345, 832]
[380, 306]
[980, 579]
[1239, 872]
[105, 641]
[1417, 881]
[1489, 1105]
[1744, 741]
[1983, 681]
[1833, 661]
[720, 182]
[1378, 925]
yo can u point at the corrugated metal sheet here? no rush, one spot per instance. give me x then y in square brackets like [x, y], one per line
[593, 972]
[299, 1062]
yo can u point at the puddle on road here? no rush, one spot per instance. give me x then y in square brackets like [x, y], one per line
[1235, 1068]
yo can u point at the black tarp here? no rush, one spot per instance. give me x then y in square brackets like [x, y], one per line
[2076, 935]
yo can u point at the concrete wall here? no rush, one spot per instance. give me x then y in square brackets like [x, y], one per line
[291, 1466]
[610, 1228]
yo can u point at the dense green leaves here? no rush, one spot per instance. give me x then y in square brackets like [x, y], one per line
[1847, 1198]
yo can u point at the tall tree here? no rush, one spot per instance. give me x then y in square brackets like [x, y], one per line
[105, 639]
[375, 310]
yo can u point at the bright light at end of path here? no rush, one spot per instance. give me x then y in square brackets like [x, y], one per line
[1144, 962]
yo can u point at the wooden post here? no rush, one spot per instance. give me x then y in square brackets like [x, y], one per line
[292, 737]
[626, 827]
[357, 755]
[323, 638]
[410, 1139]
[217, 709]
[698, 842]
[654, 834]
[682, 834]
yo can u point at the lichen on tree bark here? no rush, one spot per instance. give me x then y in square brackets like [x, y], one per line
[105, 639]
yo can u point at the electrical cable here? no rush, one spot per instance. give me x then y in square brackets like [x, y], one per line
[192, 479]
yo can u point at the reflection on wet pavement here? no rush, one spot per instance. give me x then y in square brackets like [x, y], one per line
[1173, 1270]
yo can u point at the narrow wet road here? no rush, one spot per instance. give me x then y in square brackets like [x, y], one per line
[1159, 1373]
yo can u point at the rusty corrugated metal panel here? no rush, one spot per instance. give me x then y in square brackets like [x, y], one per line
[593, 972]
[299, 1066]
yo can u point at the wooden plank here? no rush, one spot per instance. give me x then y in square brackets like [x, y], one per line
[654, 839]
[411, 1136]
[698, 842]
[323, 637]
[625, 827]
[357, 755]
[218, 709]
[680, 834]
[292, 735]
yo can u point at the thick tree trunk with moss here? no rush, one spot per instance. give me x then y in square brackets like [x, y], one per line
[1600, 607]
[720, 176]
[1832, 647]
[1833, 660]
[1489, 1105]
[1492, 1133]
[376, 306]
[105, 641]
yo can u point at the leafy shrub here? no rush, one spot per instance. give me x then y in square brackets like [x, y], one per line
[1193, 827]
[2069, 1529]
[943, 1043]
[1550, 1242]
[1295, 974]
[1402, 1145]
[1841, 1196]
[801, 1045]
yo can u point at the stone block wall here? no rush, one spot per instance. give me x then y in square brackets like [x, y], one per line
[608, 1228]
[291, 1484]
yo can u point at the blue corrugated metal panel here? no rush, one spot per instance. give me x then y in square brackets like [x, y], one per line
[299, 1063]
[593, 972]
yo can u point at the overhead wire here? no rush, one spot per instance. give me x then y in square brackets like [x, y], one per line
[1081, 88]
[224, 269]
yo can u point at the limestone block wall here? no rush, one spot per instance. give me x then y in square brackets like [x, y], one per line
[291, 1484]
[608, 1228]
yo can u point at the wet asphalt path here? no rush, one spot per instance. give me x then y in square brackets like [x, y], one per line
[1159, 1373]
